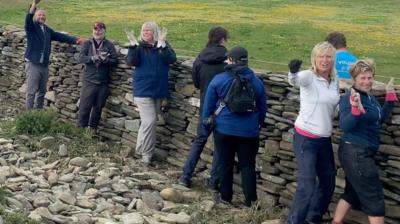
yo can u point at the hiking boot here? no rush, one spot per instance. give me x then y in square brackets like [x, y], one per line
[209, 185]
[185, 182]
[217, 198]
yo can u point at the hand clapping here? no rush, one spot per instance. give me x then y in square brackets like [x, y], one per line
[162, 37]
[131, 37]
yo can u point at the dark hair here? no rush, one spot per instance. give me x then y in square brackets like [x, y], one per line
[216, 34]
[337, 39]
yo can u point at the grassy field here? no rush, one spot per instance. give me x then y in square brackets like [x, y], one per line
[274, 31]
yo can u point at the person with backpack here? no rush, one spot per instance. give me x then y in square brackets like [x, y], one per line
[312, 144]
[210, 62]
[361, 117]
[235, 106]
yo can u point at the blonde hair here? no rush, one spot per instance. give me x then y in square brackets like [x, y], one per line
[362, 65]
[150, 25]
[323, 48]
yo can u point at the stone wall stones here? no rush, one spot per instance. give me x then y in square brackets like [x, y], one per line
[120, 119]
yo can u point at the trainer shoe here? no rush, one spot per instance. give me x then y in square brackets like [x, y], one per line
[185, 182]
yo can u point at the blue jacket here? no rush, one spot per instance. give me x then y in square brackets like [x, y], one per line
[150, 77]
[363, 129]
[230, 123]
[39, 42]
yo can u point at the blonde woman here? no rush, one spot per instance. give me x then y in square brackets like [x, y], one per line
[151, 56]
[319, 96]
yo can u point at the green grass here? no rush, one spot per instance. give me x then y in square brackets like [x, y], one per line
[274, 31]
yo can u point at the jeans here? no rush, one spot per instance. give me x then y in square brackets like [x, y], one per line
[93, 99]
[246, 149]
[316, 179]
[196, 149]
[37, 76]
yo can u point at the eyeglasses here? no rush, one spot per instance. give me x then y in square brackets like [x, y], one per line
[98, 28]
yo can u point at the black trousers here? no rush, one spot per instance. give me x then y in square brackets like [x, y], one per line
[93, 99]
[363, 187]
[246, 150]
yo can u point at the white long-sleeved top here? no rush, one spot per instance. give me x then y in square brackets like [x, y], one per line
[318, 101]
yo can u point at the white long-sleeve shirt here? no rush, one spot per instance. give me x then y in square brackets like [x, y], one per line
[318, 100]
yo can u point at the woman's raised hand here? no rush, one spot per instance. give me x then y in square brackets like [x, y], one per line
[131, 37]
[162, 37]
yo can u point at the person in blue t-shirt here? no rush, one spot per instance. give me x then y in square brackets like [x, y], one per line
[344, 59]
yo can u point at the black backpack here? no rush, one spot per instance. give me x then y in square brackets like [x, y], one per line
[241, 97]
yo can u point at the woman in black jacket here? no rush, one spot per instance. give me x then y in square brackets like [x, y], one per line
[208, 63]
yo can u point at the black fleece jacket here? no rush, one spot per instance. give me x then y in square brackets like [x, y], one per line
[208, 63]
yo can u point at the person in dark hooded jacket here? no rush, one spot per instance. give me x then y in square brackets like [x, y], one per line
[234, 132]
[208, 63]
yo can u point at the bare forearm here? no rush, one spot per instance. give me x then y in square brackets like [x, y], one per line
[32, 9]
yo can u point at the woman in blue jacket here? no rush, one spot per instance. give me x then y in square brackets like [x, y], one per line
[151, 57]
[233, 132]
[361, 117]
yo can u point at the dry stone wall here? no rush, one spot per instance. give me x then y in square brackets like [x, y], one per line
[120, 120]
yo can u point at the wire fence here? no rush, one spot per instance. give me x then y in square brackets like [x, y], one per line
[194, 53]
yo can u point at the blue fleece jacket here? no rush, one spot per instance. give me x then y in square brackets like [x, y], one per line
[39, 41]
[363, 129]
[150, 77]
[230, 123]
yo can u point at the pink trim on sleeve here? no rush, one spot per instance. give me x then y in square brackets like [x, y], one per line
[355, 111]
[391, 97]
[306, 133]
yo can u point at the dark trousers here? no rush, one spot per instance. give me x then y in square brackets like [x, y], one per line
[246, 150]
[196, 149]
[92, 101]
[363, 187]
[316, 179]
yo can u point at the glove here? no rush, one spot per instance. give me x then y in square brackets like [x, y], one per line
[35, 2]
[104, 56]
[390, 86]
[294, 65]
[131, 37]
[390, 92]
[355, 102]
[162, 36]
[95, 58]
[80, 40]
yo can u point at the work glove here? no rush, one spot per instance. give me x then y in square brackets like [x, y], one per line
[294, 65]
[162, 36]
[355, 101]
[131, 37]
[103, 56]
[95, 58]
[390, 92]
[80, 40]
